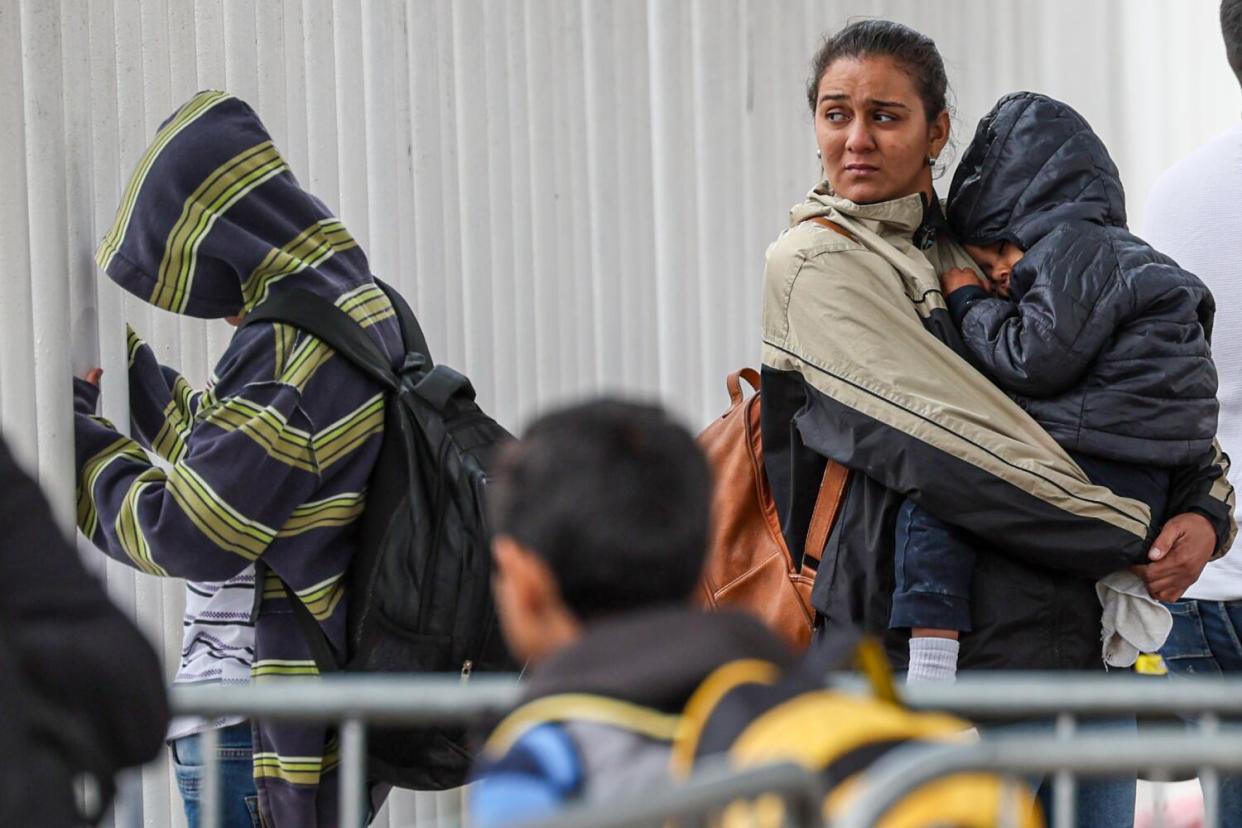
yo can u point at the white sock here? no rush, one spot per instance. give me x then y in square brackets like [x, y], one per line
[932, 659]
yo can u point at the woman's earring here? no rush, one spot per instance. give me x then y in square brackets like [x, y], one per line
[819, 156]
[931, 160]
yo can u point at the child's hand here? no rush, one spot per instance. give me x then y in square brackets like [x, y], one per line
[86, 391]
[959, 277]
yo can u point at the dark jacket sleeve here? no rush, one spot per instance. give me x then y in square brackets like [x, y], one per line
[1204, 487]
[75, 649]
[1042, 344]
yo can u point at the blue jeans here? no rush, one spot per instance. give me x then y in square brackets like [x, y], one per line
[1099, 802]
[1206, 640]
[933, 566]
[238, 797]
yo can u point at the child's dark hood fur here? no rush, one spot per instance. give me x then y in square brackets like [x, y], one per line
[1034, 164]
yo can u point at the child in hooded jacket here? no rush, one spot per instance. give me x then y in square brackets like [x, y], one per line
[1100, 338]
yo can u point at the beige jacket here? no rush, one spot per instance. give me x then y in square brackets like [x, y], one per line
[860, 324]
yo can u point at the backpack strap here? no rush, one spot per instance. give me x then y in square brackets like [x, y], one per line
[734, 384]
[834, 227]
[582, 707]
[827, 509]
[704, 701]
[411, 331]
[443, 384]
[325, 321]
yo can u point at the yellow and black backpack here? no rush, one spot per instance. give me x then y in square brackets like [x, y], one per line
[751, 715]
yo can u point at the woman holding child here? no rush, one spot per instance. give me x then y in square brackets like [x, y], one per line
[1109, 421]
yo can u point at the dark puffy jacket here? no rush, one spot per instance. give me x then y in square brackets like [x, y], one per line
[80, 688]
[1106, 341]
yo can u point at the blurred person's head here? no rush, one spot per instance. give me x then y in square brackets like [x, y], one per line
[878, 93]
[1231, 28]
[600, 509]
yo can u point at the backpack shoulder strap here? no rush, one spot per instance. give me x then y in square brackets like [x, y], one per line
[411, 331]
[320, 318]
[704, 701]
[834, 227]
[827, 509]
[582, 707]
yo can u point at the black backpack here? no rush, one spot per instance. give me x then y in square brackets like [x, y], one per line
[420, 584]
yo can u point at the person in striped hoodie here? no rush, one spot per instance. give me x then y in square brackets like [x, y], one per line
[264, 472]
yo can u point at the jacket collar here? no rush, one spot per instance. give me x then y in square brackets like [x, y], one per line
[910, 216]
[655, 658]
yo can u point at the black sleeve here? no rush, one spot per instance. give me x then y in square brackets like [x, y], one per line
[1203, 487]
[1044, 343]
[75, 649]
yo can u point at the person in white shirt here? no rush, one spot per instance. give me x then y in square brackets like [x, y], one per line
[1195, 216]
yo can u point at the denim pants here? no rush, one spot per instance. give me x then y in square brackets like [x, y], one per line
[934, 564]
[1099, 802]
[239, 800]
[1206, 640]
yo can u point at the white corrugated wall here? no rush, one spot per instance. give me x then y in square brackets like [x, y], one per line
[575, 194]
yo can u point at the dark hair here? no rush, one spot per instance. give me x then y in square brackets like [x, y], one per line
[616, 499]
[913, 51]
[1231, 28]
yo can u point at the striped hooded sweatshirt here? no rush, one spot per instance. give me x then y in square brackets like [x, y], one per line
[267, 468]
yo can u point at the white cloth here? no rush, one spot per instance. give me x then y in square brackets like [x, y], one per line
[217, 642]
[1133, 622]
[1195, 215]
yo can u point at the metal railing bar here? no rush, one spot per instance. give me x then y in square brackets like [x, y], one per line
[209, 795]
[1031, 694]
[445, 699]
[713, 788]
[353, 735]
[427, 699]
[1011, 816]
[1209, 779]
[380, 699]
[1064, 784]
[1170, 748]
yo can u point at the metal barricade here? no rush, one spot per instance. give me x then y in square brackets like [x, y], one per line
[1066, 699]
[883, 785]
[801, 791]
[356, 701]
[353, 702]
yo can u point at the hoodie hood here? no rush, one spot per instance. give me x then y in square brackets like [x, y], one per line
[212, 219]
[1034, 164]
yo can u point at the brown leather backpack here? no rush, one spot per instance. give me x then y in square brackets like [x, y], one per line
[749, 566]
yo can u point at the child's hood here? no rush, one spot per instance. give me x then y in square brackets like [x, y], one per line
[1033, 164]
[212, 217]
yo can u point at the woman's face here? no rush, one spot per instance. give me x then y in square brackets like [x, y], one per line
[873, 134]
